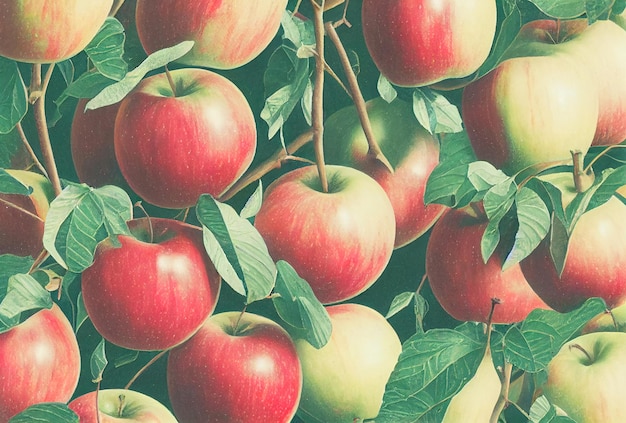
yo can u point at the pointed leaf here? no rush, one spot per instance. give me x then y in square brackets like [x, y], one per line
[50, 412]
[12, 265]
[23, 294]
[497, 202]
[10, 185]
[435, 113]
[420, 307]
[386, 90]
[563, 9]
[13, 99]
[98, 361]
[107, 48]
[399, 303]
[253, 205]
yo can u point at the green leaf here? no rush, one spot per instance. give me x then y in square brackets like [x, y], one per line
[98, 361]
[497, 202]
[431, 369]
[435, 113]
[236, 249]
[534, 224]
[531, 344]
[399, 303]
[253, 205]
[598, 9]
[127, 357]
[306, 103]
[559, 243]
[420, 307]
[508, 31]
[49, 412]
[116, 92]
[297, 305]
[299, 32]
[562, 9]
[13, 153]
[107, 48]
[10, 185]
[23, 294]
[12, 265]
[286, 80]
[13, 97]
[543, 412]
[80, 218]
[386, 90]
[81, 312]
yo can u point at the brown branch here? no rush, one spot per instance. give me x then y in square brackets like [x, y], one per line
[317, 114]
[145, 367]
[273, 162]
[357, 97]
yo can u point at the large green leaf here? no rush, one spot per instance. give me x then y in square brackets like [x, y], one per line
[107, 48]
[23, 294]
[51, 412]
[13, 99]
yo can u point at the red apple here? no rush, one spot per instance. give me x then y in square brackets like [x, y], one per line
[155, 290]
[120, 406]
[46, 31]
[174, 146]
[531, 110]
[22, 217]
[463, 283]
[344, 381]
[596, 256]
[421, 42]
[340, 241]
[412, 151]
[237, 368]
[599, 47]
[226, 34]
[39, 362]
[93, 149]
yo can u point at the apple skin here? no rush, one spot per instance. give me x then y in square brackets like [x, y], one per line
[421, 42]
[151, 295]
[412, 151]
[587, 390]
[171, 149]
[531, 110]
[345, 380]
[21, 234]
[613, 321]
[93, 147]
[120, 406]
[226, 34]
[236, 368]
[47, 31]
[599, 47]
[596, 257]
[39, 362]
[463, 284]
[339, 242]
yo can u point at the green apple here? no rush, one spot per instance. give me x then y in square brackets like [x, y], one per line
[587, 378]
[345, 380]
[120, 406]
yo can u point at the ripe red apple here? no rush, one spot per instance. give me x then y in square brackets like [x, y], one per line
[236, 368]
[155, 290]
[596, 256]
[339, 242]
[22, 217]
[120, 406]
[93, 149]
[174, 146]
[226, 34]
[599, 47]
[345, 380]
[463, 283]
[39, 362]
[421, 42]
[412, 151]
[46, 31]
[531, 110]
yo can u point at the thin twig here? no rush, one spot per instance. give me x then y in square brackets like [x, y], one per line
[317, 114]
[29, 148]
[145, 367]
[503, 399]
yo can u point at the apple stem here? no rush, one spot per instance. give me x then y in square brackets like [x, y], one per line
[170, 80]
[422, 283]
[37, 99]
[238, 321]
[97, 401]
[122, 404]
[357, 96]
[29, 149]
[116, 7]
[145, 367]
[317, 113]
[140, 206]
[579, 347]
[272, 163]
[615, 323]
[583, 178]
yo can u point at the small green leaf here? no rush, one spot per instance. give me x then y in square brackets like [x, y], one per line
[236, 249]
[98, 362]
[531, 344]
[559, 243]
[497, 202]
[508, 31]
[399, 303]
[116, 92]
[562, 9]
[543, 412]
[297, 305]
[420, 307]
[13, 153]
[12, 265]
[10, 185]
[13, 98]
[106, 50]
[306, 103]
[298, 31]
[81, 312]
[435, 113]
[127, 357]
[49, 412]
[386, 90]
[598, 9]
[23, 294]
[253, 205]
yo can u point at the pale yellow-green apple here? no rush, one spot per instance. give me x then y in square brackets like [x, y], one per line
[421, 42]
[155, 289]
[22, 216]
[463, 283]
[39, 362]
[175, 143]
[600, 48]
[339, 241]
[47, 31]
[344, 381]
[596, 256]
[531, 110]
[93, 149]
[227, 34]
[237, 368]
[412, 151]
[120, 406]
[587, 378]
